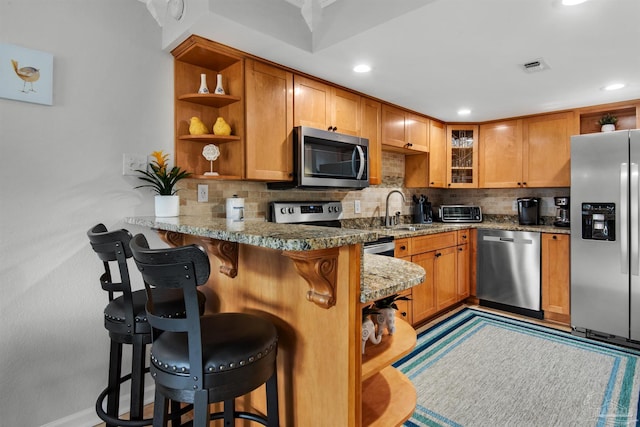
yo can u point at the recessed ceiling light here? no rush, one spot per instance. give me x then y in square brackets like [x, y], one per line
[614, 86]
[464, 112]
[362, 68]
[572, 2]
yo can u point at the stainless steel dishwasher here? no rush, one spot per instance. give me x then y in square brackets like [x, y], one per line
[508, 271]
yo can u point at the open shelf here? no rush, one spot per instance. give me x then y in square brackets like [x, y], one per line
[209, 99]
[388, 399]
[390, 349]
[221, 177]
[210, 138]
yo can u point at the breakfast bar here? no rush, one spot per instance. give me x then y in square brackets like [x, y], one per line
[312, 283]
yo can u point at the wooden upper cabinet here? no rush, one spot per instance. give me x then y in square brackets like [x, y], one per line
[403, 131]
[437, 155]
[417, 132]
[500, 154]
[462, 156]
[547, 150]
[269, 150]
[371, 129]
[530, 152]
[322, 106]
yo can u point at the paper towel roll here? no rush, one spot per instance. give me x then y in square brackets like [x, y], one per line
[235, 208]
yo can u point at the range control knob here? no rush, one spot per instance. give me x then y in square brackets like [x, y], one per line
[283, 211]
[291, 210]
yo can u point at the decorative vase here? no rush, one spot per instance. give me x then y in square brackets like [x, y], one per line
[167, 206]
[608, 128]
[203, 84]
[219, 89]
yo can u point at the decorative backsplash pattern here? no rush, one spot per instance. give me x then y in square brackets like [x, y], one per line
[372, 200]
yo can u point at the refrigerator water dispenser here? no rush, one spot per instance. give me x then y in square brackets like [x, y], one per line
[599, 221]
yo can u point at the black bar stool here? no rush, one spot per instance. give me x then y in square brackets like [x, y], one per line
[202, 360]
[126, 320]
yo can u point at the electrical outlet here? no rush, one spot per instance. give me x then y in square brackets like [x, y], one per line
[203, 193]
[356, 206]
[133, 162]
[514, 206]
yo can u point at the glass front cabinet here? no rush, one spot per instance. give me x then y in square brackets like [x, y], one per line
[462, 156]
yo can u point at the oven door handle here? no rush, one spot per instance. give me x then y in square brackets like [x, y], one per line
[362, 160]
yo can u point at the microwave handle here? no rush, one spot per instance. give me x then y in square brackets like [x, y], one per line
[362, 160]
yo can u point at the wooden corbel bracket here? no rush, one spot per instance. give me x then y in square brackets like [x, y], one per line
[226, 252]
[320, 269]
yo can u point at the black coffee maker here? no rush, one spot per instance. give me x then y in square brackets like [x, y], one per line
[422, 210]
[528, 210]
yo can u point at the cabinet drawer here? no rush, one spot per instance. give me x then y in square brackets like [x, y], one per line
[402, 248]
[433, 241]
[463, 236]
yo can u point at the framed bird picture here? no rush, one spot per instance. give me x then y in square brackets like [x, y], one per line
[26, 74]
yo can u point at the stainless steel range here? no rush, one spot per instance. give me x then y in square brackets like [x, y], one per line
[324, 214]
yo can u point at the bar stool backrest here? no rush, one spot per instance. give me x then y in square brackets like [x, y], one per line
[185, 268]
[113, 246]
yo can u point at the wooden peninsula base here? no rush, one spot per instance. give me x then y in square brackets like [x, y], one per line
[322, 379]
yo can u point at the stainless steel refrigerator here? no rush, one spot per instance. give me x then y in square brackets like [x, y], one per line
[605, 236]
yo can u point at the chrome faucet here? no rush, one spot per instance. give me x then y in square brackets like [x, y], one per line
[388, 222]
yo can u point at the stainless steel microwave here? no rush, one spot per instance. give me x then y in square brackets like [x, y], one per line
[325, 159]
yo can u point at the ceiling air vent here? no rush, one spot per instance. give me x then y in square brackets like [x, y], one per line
[535, 66]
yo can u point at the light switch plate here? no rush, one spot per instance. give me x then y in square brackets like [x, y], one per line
[132, 162]
[203, 193]
[356, 206]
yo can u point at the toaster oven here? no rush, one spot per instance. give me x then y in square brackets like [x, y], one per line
[460, 213]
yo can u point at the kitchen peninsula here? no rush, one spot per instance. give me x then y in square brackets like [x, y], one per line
[312, 283]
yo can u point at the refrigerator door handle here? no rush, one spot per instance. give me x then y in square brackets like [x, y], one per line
[633, 223]
[624, 230]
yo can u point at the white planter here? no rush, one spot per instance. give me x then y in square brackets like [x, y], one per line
[167, 206]
[608, 128]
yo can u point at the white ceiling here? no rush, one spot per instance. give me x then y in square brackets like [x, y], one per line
[437, 56]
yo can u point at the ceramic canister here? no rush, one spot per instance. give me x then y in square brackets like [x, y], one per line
[235, 208]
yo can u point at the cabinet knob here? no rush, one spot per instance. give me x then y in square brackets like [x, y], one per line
[404, 248]
[524, 184]
[431, 183]
[554, 237]
[404, 314]
[408, 144]
[332, 128]
[438, 254]
[519, 184]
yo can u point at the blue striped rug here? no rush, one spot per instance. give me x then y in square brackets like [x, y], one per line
[481, 369]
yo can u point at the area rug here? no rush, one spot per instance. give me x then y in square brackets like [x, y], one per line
[481, 369]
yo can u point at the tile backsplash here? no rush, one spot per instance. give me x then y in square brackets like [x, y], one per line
[372, 199]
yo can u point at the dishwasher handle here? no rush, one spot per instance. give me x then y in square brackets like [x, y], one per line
[506, 240]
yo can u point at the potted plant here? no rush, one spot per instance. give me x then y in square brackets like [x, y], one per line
[608, 123]
[163, 182]
[368, 327]
[387, 308]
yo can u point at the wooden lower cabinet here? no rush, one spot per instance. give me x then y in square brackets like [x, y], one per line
[555, 278]
[446, 260]
[424, 295]
[463, 260]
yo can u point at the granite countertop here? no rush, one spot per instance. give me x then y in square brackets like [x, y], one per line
[285, 237]
[384, 276]
[402, 231]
